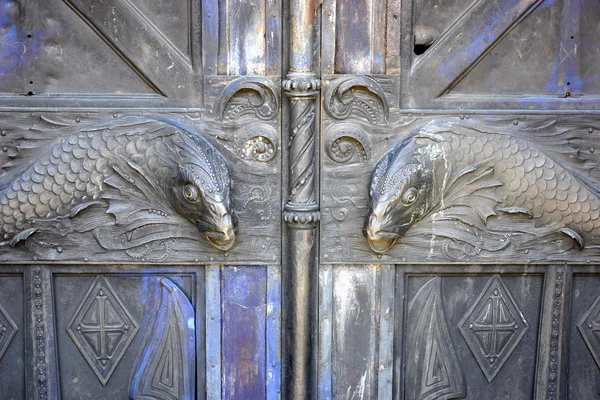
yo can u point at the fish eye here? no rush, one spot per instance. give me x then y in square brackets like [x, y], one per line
[409, 196]
[190, 192]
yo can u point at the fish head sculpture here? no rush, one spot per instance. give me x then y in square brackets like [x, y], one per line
[401, 193]
[202, 194]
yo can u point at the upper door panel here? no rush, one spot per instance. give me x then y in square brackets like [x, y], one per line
[465, 54]
[142, 131]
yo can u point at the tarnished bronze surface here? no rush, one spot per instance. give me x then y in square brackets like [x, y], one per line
[350, 199]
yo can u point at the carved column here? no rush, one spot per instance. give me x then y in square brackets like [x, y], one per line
[301, 211]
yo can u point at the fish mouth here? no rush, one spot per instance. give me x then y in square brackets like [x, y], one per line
[220, 235]
[220, 240]
[381, 242]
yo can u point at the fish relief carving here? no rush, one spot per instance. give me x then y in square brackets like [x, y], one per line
[155, 180]
[482, 189]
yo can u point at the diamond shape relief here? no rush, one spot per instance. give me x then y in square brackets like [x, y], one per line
[102, 329]
[589, 327]
[493, 327]
[8, 330]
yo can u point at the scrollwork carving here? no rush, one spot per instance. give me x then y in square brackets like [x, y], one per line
[357, 93]
[346, 141]
[257, 142]
[484, 189]
[155, 179]
[263, 101]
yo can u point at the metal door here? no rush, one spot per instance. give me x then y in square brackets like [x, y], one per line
[459, 199]
[265, 199]
[141, 187]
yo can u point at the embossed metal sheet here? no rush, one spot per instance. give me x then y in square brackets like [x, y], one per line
[98, 181]
[519, 187]
[102, 328]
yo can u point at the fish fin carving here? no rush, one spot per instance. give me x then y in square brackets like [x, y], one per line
[516, 210]
[165, 369]
[23, 235]
[130, 191]
[144, 231]
[141, 211]
[474, 190]
[28, 141]
[433, 370]
[575, 236]
[80, 207]
[557, 140]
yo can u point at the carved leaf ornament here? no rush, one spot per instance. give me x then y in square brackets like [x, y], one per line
[462, 180]
[157, 180]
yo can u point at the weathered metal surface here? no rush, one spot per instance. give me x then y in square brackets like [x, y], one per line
[273, 333]
[457, 296]
[538, 213]
[244, 311]
[141, 297]
[12, 335]
[102, 178]
[485, 291]
[164, 370]
[465, 173]
[301, 210]
[356, 305]
[143, 172]
[433, 370]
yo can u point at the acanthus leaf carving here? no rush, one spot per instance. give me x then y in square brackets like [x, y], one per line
[262, 101]
[165, 370]
[156, 179]
[433, 370]
[357, 93]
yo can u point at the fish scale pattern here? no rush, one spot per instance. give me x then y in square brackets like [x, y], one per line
[530, 180]
[71, 174]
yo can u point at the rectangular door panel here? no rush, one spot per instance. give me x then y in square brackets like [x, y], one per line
[121, 334]
[12, 336]
[583, 340]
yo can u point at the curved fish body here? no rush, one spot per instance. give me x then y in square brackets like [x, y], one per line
[446, 168]
[135, 167]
